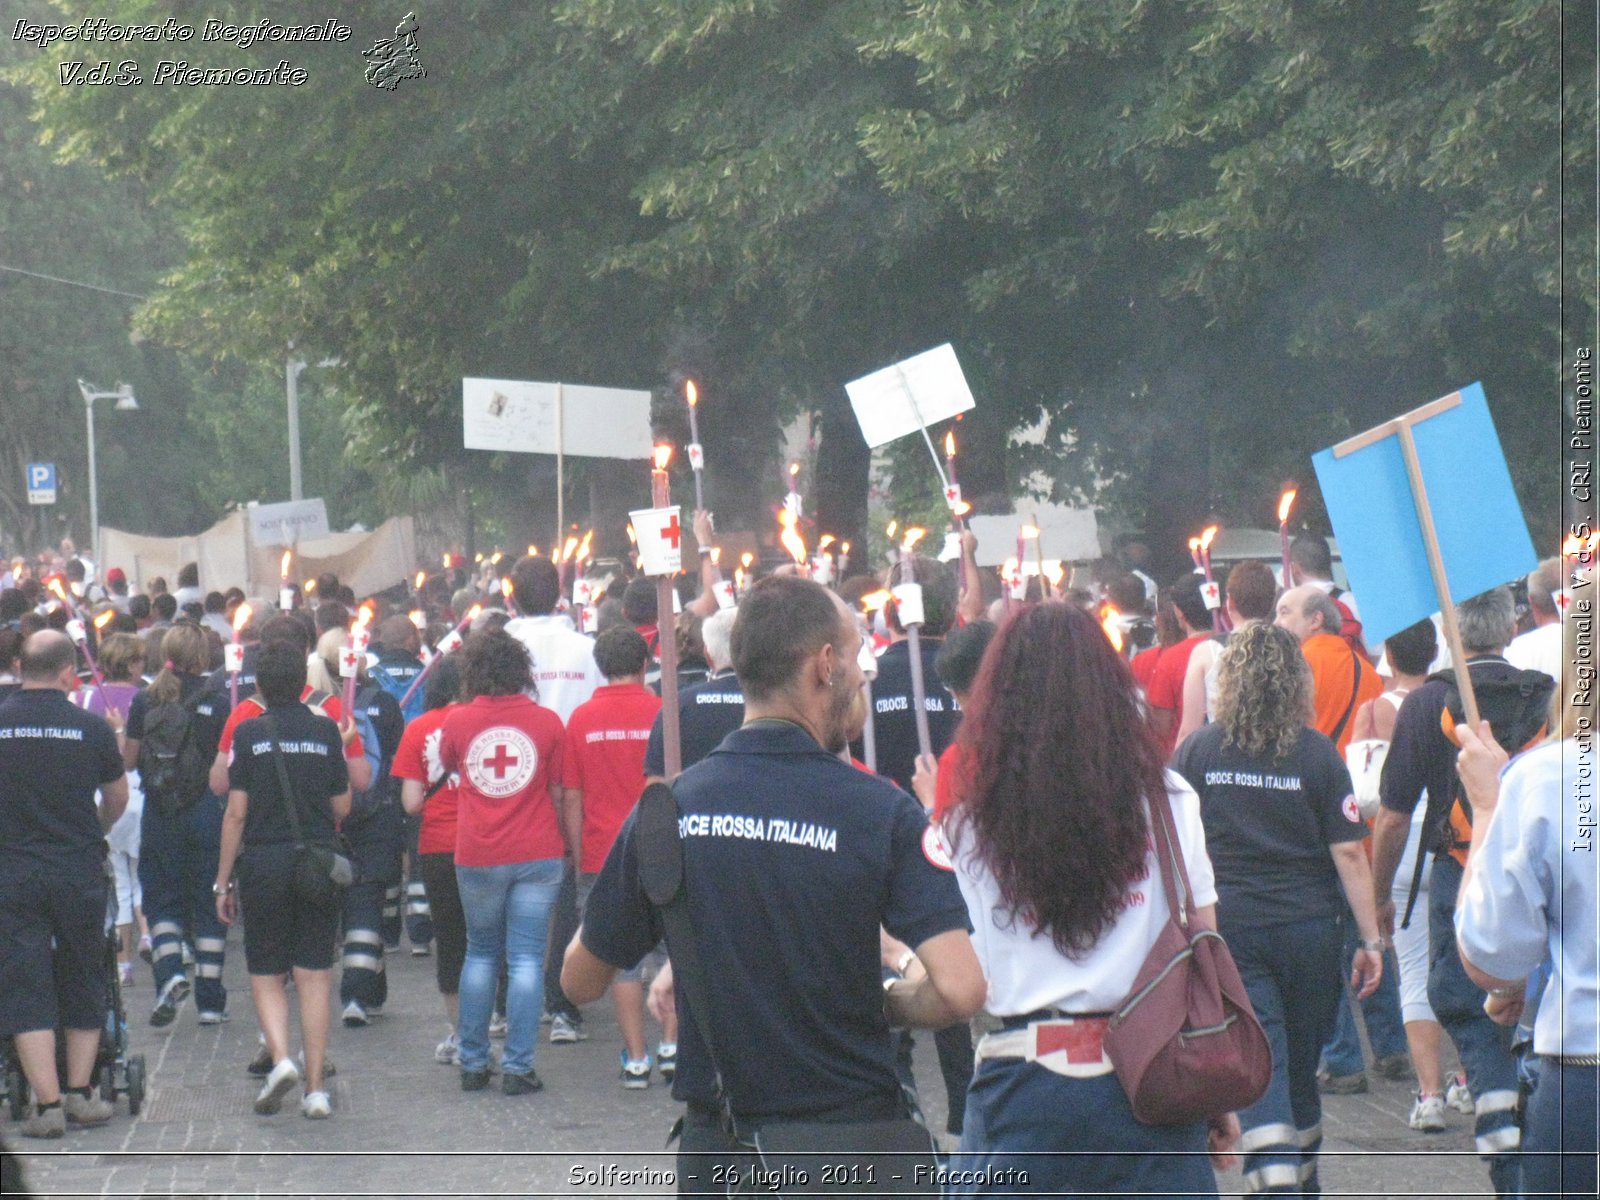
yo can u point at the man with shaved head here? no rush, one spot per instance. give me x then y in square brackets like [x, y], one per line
[54, 758]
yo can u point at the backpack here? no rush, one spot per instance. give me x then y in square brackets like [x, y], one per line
[1349, 627]
[174, 768]
[1517, 708]
[368, 800]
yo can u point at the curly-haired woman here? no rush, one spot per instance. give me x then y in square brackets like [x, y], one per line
[1284, 832]
[510, 840]
[1050, 836]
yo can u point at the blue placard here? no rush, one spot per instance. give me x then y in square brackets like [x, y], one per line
[1482, 536]
[41, 479]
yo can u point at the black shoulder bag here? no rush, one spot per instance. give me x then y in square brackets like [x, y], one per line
[321, 872]
[895, 1156]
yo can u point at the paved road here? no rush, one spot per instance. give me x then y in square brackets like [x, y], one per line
[402, 1127]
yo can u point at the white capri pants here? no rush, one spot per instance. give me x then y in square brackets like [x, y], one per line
[1411, 944]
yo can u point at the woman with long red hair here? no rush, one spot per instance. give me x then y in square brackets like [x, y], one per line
[1050, 838]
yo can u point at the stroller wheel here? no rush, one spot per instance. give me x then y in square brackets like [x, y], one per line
[135, 1084]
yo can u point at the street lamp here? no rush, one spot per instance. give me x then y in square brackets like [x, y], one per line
[291, 379]
[125, 403]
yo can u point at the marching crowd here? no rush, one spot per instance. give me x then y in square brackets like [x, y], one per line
[941, 823]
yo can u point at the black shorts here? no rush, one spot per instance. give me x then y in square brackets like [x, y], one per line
[59, 987]
[281, 931]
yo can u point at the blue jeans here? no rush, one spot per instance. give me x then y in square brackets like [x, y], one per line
[177, 865]
[507, 911]
[1289, 971]
[1485, 1047]
[1091, 1143]
[1380, 1011]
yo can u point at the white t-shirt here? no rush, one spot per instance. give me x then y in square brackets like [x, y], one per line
[1537, 650]
[563, 662]
[1026, 972]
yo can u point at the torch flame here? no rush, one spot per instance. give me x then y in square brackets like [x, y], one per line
[1206, 538]
[583, 546]
[497, 556]
[913, 535]
[422, 578]
[54, 584]
[1109, 618]
[873, 601]
[419, 619]
[794, 471]
[505, 587]
[1055, 571]
[477, 558]
[893, 526]
[663, 456]
[283, 567]
[790, 537]
[446, 560]
[1285, 504]
[950, 444]
[825, 541]
[746, 559]
[1028, 531]
[106, 617]
[241, 617]
[364, 615]
[311, 586]
[1194, 545]
[632, 536]
[472, 613]
[533, 550]
[844, 547]
[1575, 545]
[716, 556]
[962, 509]
[567, 549]
[692, 392]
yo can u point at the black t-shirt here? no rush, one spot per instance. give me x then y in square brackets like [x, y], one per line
[894, 722]
[1269, 825]
[1420, 756]
[53, 757]
[793, 860]
[210, 712]
[707, 713]
[314, 757]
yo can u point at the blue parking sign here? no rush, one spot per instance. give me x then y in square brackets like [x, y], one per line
[41, 483]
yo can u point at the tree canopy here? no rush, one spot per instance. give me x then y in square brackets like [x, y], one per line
[1194, 242]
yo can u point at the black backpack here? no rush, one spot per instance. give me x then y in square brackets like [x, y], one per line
[1517, 707]
[173, 767]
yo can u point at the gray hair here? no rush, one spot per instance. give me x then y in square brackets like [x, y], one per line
[717, 634]
[1543, 582]
[1318, 601]
[1486, 620]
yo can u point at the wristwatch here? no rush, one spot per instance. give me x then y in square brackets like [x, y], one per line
[1376, 947]
[220, 889]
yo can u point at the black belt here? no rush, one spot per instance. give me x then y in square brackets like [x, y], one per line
[1045, 1014]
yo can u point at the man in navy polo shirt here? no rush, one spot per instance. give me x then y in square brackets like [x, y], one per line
[53, 757]
[709, 711]
[793, 860]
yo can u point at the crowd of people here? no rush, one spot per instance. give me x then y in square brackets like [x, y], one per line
[889, 820]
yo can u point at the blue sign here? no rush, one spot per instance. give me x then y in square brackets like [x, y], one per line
[41, 483]
[1483, 538]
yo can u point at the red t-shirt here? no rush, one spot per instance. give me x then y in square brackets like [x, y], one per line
[1165, 689]
[418, 759]
[1144, 665]
[251, 707]
[606, 740]
[944, 789]
[506, 751]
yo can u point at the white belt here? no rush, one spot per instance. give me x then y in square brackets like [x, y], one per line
[1071, 1046]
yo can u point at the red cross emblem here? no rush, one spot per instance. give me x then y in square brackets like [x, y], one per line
[671, 531]
[501, 761]
[1082, 1040]
[347, 661]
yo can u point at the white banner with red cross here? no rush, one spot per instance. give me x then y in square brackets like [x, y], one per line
[660, 534]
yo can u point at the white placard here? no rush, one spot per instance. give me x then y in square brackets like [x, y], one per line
[697, 456]
[822, 570]
[594, 422]
[450, 642]
[1211, 593]
[582, 591]
[286, 597]
[867, 660]
[660, 534]
[1071, 534]
[287, 523]
[952, 496]
[588, 619]
[677, 603]
[349, 662]
[923, 390]
[233, 657]
[361, 638]
[908, 604]
[723, 591]
[76, 631]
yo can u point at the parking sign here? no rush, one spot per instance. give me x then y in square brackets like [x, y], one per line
[41, 483]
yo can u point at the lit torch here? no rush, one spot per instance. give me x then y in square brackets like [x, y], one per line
[696, 453]
[286, 590]
[1111, 622]
[1285, 506]
[235, 652]
[791, 540]
[1208, 536]
[447, 644]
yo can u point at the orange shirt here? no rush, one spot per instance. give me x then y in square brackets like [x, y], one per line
[1333, 667]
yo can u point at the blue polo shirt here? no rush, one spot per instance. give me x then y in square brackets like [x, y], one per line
[793, 860]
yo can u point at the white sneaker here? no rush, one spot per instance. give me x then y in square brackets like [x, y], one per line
[564, 1029]
[316, 1106]
[1427, 1114]
[354, 1015]
[278, 1085]
[210, 1017]
[497, 1025]
[1458, 1097]
[636, 1071]
[448, 1051]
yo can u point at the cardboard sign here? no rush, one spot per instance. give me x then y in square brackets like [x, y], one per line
[905, 398]
[349, 662]
[1482, 536]
[287, 523]
[660, 533]
[76, 631]
[952, 496]
[450, 642]
[582, 591]
[723, 591]
[1211, 593]
[697, 456]
[233, 657]
[822, 569]
[286, 597]
[546, 418]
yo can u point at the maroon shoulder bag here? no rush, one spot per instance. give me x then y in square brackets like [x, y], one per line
[1186, 1043]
